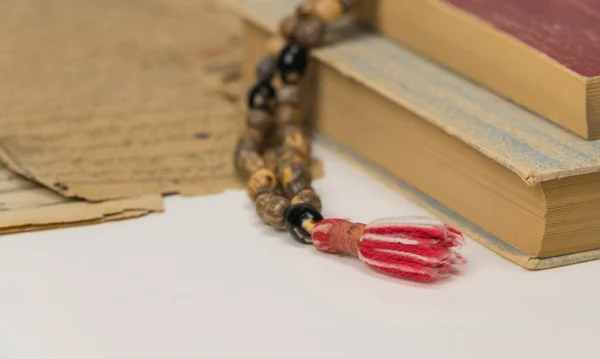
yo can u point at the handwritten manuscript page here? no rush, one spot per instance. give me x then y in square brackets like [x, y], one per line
[110, 99]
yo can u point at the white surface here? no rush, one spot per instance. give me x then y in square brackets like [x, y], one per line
[205, 280]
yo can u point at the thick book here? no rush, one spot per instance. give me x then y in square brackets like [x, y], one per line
[542, 54]
[517, 183]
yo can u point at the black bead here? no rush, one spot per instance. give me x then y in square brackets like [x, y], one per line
[299, 219]
[262, 96]
[292, 63]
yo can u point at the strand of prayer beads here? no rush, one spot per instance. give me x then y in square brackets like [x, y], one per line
[274, 152]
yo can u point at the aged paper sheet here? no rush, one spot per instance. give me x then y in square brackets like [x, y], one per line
[56, 65]
[27, 206]
[187, 150]
[110, 99]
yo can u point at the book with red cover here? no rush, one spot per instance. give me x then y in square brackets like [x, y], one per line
[542, 54]
[568, 31]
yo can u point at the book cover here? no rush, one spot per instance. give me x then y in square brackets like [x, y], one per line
[541, 54]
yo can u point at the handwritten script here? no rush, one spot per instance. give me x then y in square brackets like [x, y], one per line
[113, 99]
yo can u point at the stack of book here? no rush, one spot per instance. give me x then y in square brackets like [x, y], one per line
[482, 111]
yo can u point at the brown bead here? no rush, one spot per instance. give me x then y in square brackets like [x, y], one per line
[249, 162]
[244, 146]
[261, 180]
[269, 191]
[289, 95]
[259, 119]
[277, 83]
[305, 8]
[270, 158]
[275, 44]
[251, 139]
[240, 158]
[309, 197]
[288, 156]
[288, 115]
[254, 136]
[280, 132]
[287, 27]
[328, 10]
[294, 137]
[266, 68]
[294, 179]
[271, 210]
[296, 186]
[310, 32]
[350, 5]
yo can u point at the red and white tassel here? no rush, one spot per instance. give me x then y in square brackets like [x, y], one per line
[418, 248]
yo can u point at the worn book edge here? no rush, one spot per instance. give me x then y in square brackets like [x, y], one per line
[470, 229]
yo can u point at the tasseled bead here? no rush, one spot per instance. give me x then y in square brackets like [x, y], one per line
[418, 248]
[335, 235]
[300, 219]
[292, 63]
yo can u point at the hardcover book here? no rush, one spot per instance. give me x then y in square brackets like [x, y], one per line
[542, 54]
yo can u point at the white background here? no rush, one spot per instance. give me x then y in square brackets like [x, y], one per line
[206, 280]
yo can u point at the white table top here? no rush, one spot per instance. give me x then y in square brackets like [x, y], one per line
[206, 280]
